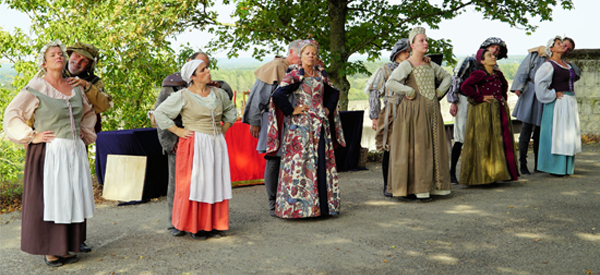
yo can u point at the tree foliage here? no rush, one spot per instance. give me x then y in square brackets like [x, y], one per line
[135, 54]
[346, 27]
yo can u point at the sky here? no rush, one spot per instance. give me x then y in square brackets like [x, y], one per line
[466, 31]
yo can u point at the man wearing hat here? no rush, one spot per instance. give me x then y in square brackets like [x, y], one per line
[83, 59]
[458, 101]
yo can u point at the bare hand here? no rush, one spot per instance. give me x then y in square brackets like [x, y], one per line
[426, 59]
[76, 81]
[214, 84]
[254, 130]
[518, 92]
[183, 133]
[488, 98]
[300, 109]
[43, 137]
[559, 95]
[453, 109]
[326, 112]
[410, 98]
[374, 124]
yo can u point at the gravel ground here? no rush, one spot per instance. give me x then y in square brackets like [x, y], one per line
[537, 225]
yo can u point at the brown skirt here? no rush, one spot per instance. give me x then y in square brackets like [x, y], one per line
[37, 236]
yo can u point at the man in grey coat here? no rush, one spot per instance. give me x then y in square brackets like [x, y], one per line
[528, 109]
[256, 113]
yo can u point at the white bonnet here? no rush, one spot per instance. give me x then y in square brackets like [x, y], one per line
[189, 68]
[41, 58]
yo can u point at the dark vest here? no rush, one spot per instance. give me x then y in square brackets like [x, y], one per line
[562, 80]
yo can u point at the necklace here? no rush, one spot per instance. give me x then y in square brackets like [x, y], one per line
[309, 74]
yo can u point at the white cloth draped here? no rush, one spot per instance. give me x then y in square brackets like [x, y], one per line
[68, 191]
[566, 134]
[210, 181]
[460, 120]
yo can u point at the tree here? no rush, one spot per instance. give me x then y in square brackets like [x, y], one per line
[135, 54]
[346, 27]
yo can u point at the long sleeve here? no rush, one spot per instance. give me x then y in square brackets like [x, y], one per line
[522, 74]
[20, 109]
[543, 80]
[229, 111]
[330, 98]
[280, 96]
[168, 110]
[258, 100]
[375, 88]
[444, 77]
[398, 76]
[468, 86]
[98, 97]
[88, 122]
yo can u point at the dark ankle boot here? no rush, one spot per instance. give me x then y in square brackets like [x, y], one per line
[385, 193]
[524, 170]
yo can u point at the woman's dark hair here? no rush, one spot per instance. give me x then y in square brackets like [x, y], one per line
[482, 57]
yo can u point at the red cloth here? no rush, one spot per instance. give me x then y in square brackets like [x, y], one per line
[192, 216]
[246, 165]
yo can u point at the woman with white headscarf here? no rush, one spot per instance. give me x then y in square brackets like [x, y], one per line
[202, 181]
[560, 135]
[57, 187]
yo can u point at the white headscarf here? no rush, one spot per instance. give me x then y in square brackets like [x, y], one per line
[189, 68]
[550, 44]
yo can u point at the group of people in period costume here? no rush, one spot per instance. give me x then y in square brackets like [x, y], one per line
[293, 112]
[55, 115]
[412, 135]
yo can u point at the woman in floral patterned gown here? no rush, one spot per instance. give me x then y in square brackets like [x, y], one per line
[418, 154]
[308, 182]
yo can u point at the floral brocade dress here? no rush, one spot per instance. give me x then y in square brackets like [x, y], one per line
[308, 181]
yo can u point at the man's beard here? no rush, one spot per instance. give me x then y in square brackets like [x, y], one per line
[74, 69]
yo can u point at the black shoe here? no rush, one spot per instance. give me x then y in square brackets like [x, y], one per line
[176, 232]
[200, 235]
[389, 195]
[557, 175]
[84, 248]
[453, 178]
[524, 170]
[55, 263]
[217, 234]
[69, 260]
[272, 213]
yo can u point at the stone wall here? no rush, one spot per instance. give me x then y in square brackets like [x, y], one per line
[587, 89]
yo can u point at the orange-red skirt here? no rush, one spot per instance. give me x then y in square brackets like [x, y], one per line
[192, 216]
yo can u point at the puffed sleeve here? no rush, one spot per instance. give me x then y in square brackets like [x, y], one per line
[88, 121]
[543, 80]
[98, 97]
[168, 110]
[229, 112]
[444, 77]
[280, 97]
[375, 88]
[398, 76]
[20, 109]
[468, 87]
